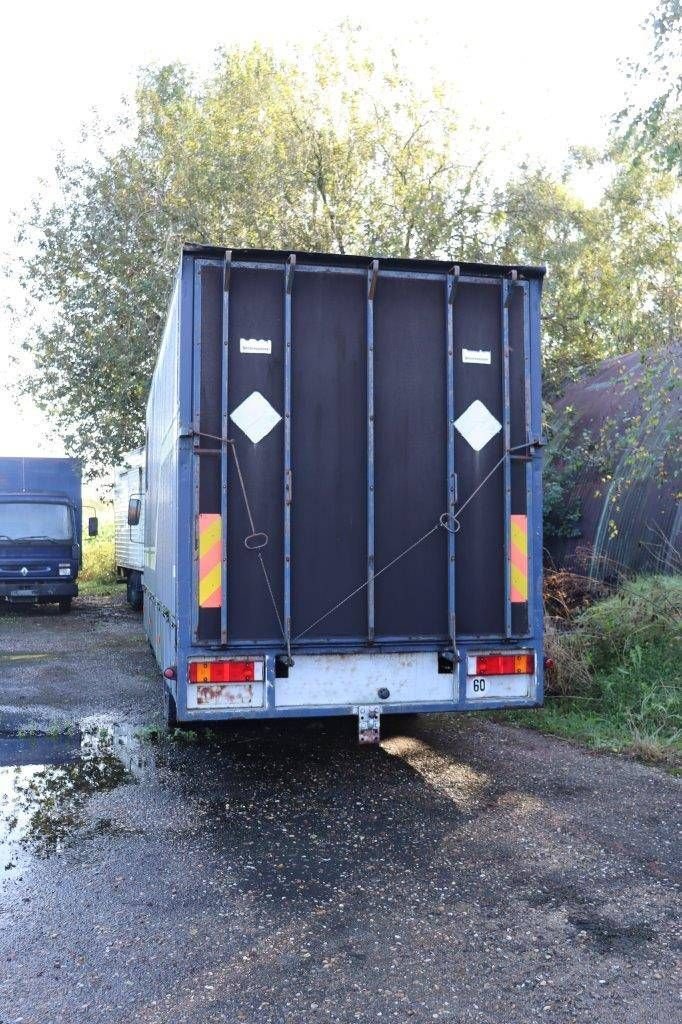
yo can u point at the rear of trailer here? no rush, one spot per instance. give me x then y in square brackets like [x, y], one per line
[343, 495]
[129, 528]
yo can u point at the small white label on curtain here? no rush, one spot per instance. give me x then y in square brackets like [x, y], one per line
[472, 355]
[256, 346]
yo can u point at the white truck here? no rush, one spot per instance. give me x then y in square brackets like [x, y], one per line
[129, 539]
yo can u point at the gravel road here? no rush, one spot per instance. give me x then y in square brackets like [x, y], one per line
[465, 871]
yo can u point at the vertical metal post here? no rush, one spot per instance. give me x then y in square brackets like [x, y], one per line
[528, 398]
[372, 275]
[505, 293]
[288, 285]
[227, 270]
[451, 283]
[535, 609]
[196, 443]
[183, 552]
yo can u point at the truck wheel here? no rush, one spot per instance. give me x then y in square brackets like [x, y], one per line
[170, 710]
[65, 604]
[134, 592]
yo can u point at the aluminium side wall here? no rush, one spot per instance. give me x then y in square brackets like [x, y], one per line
[160, 498]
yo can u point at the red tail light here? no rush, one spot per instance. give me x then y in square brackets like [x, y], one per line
[224, 671]
[505, 664]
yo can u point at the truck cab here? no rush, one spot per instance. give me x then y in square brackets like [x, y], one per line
[40, 530]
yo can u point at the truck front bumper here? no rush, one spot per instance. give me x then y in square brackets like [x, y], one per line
[37, 590]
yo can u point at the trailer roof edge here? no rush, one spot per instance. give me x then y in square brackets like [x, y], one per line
[344, 260]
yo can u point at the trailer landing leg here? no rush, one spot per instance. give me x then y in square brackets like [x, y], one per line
[369, 723]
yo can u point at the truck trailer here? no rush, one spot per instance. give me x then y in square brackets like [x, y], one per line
[343, 507]
[129, 525]
[40, 530]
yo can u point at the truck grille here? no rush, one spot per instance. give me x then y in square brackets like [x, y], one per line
[35, 570]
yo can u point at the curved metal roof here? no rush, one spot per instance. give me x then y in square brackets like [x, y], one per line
[630, 522]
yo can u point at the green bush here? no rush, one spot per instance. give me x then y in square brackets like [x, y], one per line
[99, 565]
[643, 613]
[618, 680]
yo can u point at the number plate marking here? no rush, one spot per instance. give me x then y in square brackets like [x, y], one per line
[498, 687]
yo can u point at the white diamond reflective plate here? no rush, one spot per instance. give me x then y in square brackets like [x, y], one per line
[255, 416]
[477, 425]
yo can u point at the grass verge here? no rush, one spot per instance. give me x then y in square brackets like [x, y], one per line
[97, 588]
[617, 684]
[98, 575]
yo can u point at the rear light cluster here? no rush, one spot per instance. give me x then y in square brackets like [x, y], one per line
[225, 671]
[504, 664]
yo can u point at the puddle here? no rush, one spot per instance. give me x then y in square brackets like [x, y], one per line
[45, 783]
[39, 750]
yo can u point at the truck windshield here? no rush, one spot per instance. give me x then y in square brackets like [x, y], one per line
[27, 520]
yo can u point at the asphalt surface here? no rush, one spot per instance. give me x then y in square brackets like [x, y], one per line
[464, 871]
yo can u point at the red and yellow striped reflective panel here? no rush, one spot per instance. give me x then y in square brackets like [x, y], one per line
[210, 560]
[518, 556]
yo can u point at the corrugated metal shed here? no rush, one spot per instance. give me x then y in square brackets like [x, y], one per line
[629, 522]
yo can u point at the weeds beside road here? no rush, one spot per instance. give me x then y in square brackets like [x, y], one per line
[617, 681]
[98, 575]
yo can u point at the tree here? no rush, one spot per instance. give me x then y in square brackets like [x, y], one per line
[654, 127]
[335, 150]
[343, 156]
[614, 279]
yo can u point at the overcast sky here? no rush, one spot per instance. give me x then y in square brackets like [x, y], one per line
[544, 76]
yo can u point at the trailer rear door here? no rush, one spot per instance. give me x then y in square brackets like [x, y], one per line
[365, 404]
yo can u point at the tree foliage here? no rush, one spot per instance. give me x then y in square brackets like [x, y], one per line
[654, 126]
[614, 280]
[344, 156]
[336, 150]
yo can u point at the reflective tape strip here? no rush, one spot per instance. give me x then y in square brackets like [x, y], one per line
[210, 560]
[518, 557]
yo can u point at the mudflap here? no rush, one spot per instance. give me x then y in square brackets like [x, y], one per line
[369, 724]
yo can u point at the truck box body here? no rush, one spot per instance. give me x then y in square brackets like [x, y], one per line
[333, 432]
[40, 529]
[129, 539]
